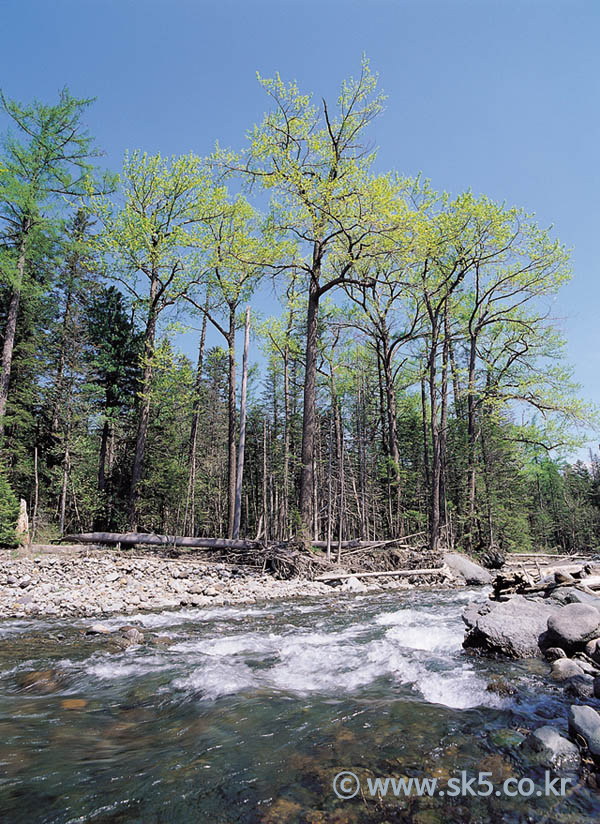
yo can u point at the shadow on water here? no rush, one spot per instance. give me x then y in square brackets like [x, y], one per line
[248, 714]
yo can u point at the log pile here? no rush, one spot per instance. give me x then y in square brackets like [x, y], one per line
[283, 560]
[583, 577]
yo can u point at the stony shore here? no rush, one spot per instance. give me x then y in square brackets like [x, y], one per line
[85, 584]
[558, 619]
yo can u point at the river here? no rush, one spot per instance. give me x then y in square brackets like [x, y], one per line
[251, 711]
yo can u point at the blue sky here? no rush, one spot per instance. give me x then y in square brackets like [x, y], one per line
[501, 96]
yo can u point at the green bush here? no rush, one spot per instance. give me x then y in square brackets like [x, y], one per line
[9, 512]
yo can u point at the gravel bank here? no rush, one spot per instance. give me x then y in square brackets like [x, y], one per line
[62, 585]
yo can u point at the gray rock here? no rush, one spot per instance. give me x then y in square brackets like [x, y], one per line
[583, 662]
[571, 595]
[592, 649]
[565, 668]
[472, 573]
[353, 585]
[574, 624]
[547, 747]
[597, 687]
[132, 634]
[515, 628]
[473, 611]
[580, 686]
[554, 653]
[97, 629]
[585, 722]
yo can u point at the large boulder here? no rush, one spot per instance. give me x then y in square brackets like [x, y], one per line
[516, 628]
[547, 747]
[466, 568]
[585, 722]
[574, 625]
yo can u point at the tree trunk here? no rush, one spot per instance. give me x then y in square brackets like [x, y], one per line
[189, 521]
[231, 446]
[471, 430]
[309, 415]
[240, 459]
[444, 421]
[434, 523]
[11, 324]
[144, 416]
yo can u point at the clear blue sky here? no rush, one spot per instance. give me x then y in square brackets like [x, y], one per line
[498, 95]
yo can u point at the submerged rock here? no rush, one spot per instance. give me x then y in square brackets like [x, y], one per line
[501, 687]
[97, 629]
[516, 628]
[42, 681]
[585, 722]
[472, 573]
[580, 686]
[547, 747]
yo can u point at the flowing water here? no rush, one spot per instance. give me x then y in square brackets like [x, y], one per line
[249, 713]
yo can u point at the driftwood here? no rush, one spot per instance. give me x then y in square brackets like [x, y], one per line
[584, 577]
[334, 576]
[149, 538]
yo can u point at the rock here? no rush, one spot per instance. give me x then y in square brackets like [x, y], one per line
[97, 629]
[554, 653]
[25, 581]
[73, 704]
[472, 612]
[571, 595]
[353, 584]
[565, 668]
[563, 578]
[597, 686]
[592, 649]
[506, 738]
[585, 722]
[43, 681]
[580, 686]
[583, 661]
[211, 592]
[132, 634]
[515, 628]
[547, 747]
[501, 687]
[467, 569]
[574, 624]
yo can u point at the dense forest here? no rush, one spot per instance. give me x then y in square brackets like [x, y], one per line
[408, 376]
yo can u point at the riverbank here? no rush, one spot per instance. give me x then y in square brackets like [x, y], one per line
[68, 583]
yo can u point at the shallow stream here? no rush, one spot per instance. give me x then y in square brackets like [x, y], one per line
[248, 713]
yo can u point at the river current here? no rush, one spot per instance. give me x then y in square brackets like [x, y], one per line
[248, 713]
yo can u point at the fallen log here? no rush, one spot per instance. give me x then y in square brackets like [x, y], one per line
[132, 538]
[388, 573]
